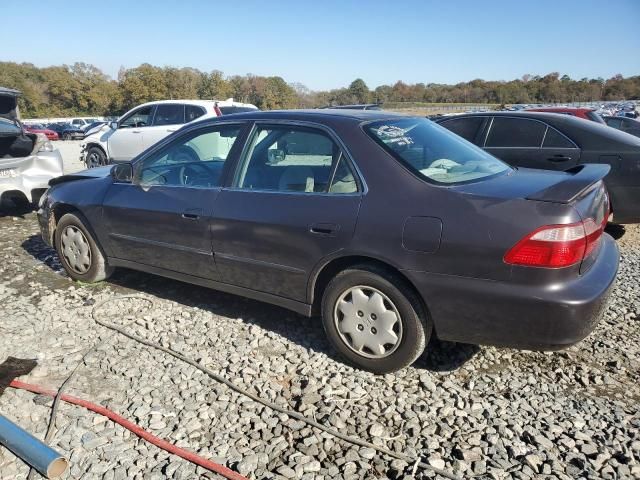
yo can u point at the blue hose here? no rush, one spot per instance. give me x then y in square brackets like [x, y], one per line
[48, 462]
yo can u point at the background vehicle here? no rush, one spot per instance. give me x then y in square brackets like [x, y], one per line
[66, 131]
[585, 113]
[363, 106]
[390, 227]
[82, 123]
[628, 125]
[559, 142]
[36, 128]
[27, 160]
[147, 124]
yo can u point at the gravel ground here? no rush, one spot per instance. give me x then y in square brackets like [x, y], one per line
[483, 412]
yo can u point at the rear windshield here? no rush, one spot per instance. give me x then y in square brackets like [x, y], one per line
[433, 152]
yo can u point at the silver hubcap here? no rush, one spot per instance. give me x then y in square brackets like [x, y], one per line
[76, 249]
[368, 322]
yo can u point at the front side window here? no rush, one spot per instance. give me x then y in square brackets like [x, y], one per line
[139, 118]
[169, 114]
[433, 152]
[515, 133]
[295, 159]
[194, 160]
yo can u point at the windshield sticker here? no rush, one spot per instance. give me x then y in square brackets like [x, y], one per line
[391, 134]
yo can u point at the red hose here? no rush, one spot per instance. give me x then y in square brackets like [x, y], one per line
[132, 427]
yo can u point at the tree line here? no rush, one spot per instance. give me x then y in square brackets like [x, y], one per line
[83, 89]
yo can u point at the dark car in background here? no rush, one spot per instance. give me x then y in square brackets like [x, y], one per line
[559, 142]
[66, 131]
[624, 124]
[389, 227]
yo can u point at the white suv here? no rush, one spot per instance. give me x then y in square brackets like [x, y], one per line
[147, 124]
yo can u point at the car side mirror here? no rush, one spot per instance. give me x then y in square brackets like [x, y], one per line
[122, 173]
[113, 125]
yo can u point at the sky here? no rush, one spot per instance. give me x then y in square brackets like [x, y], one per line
[327, 44]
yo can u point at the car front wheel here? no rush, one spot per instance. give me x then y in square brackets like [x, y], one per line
[95, 158]
[374, 319]
[81, 257]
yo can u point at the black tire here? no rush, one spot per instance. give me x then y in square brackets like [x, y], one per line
[415, 324]
[95, 158]
[66, 136]
[98, 268]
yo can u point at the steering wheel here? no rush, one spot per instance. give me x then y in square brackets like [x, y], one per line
[192, 172]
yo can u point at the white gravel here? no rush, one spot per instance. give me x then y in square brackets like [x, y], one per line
[485, 412]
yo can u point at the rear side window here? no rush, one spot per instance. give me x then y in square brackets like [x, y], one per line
[295, 159]
[515, 132]
[554, 139]
[433, 152]
[191, 112]
[467, 127]
[169, 114]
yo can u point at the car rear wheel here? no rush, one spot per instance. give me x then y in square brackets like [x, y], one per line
[374, 319]
[81, 257]
[95, 158]
[66, 136]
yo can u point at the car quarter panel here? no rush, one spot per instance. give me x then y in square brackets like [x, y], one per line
[478, 222]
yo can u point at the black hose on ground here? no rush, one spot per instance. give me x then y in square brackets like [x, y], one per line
[220, 379]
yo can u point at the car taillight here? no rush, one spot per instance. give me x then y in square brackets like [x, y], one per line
[217, 110]
[557, 246]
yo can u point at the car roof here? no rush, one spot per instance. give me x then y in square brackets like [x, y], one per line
[10, 91]
[211, 103]
[317, 115]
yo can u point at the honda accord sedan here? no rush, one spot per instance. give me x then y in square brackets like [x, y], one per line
[391, 229]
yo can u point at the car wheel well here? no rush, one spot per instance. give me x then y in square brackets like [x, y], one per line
[334, 267]
[60, 210]
[96, 145]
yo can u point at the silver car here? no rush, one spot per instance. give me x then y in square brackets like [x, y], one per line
[27, 160]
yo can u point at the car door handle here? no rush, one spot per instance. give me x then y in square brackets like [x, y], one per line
[135, 131]
[192, 214]
[327, 229]
[171, 129]
[559, 158]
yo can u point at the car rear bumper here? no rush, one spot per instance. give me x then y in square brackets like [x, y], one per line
[29, 176]
[549, 317]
